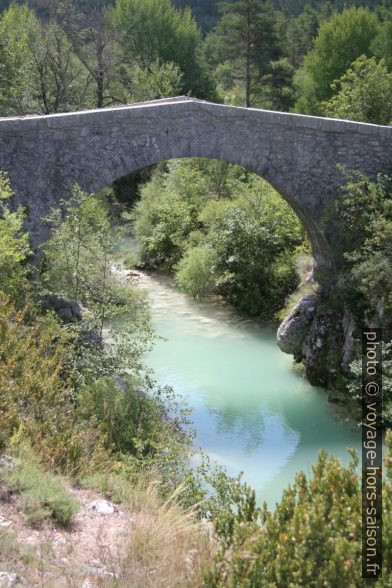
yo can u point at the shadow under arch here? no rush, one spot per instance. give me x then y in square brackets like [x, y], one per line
[320, 247]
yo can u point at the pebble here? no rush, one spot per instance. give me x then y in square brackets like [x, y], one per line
[9, 579]
[4, 524]
[102, 507]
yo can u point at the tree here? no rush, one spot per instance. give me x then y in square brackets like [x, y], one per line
[195, 271]
[341, 39]
[312, 538]
[153, 30]
[78, 265]
[298, 33]
[15, 86]
[14, 247]
[95, 43]
[220, 229]
[364, 218]
[59, 80]
[159, 80]
[40, 72]
[245, 36]
[204, 11]
[382, 44]
[364, 93]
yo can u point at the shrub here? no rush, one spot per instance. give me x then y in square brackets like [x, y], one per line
[42, 496]
[141, 423]
[313, 538]
[36, 396]
[195, 271]
[14, 246]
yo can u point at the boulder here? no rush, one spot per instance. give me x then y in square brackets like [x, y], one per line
[67, 310]
[293, 330]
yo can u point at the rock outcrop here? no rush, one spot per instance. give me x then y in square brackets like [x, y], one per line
[318, 336]
[67, 310]
[293, 330]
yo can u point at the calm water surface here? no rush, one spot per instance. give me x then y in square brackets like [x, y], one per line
[252, 412]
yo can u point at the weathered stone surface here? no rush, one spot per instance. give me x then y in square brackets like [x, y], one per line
[67, 310]
[349, 328]
[9, 579]
[46, 155]
[293, 330]
[322, 349]
[7, 462]
[102, 507]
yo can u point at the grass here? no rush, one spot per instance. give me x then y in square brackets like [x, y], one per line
[42, 497]
[12, 552]
[167, 546]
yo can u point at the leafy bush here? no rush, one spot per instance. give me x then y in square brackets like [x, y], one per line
[14, 246]
[360, 93]
[313, 538]
[140, 421]
[364, 217]
[195, 271]
[221, 229]
[42, 497]
[36, 398]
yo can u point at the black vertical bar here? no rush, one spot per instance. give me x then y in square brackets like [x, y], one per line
[371, 453]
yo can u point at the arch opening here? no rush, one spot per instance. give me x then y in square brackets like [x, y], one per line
[215, 199]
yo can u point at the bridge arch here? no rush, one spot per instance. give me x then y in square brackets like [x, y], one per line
[298, 155]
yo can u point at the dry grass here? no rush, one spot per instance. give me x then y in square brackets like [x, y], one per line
[150, 543]
[304, 265]
[168, 547]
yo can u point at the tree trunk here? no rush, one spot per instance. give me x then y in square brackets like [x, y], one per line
[100, 90]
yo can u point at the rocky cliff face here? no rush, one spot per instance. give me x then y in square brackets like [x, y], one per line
[320, 337]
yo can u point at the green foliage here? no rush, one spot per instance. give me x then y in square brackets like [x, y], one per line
[245, 39]
[195, 271]
[156, 81]
[78, 263]
[364, 217]
[15, 26]
[166, 214]
[362, 93]
[312, 538]
[341, 40]
[134, 416]
[222, 230]
[42, 497]
[204, 11]
[298, 33]
[14, 246]
[154, 31]
[254, 242]
[36, 398]
[40, 71]
[382, 44]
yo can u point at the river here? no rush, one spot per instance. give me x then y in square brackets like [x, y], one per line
[252, 411]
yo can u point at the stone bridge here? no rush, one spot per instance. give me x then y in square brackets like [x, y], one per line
[298, 155]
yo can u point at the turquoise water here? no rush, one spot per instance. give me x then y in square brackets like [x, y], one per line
[251, 410]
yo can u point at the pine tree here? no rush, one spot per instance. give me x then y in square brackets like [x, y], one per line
[246, 36]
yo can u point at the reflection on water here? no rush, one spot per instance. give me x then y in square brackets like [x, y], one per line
[252, 412]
